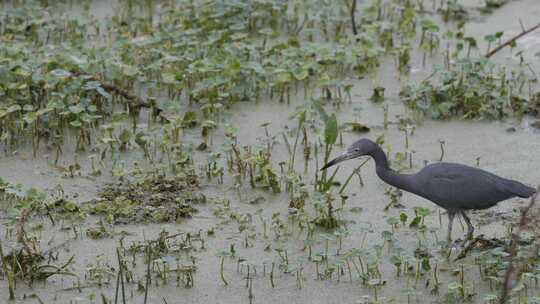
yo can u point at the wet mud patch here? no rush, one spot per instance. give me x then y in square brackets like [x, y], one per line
[149, 197]
[491, 216]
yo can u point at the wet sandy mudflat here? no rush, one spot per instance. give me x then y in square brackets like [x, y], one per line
[509, 148]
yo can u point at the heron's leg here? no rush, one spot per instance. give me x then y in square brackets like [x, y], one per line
[470, 227]
[451, 215]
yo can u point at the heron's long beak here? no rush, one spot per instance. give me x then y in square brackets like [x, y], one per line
[343, 157]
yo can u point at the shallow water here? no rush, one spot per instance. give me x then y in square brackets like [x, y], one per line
[510, 19]
[509, 154]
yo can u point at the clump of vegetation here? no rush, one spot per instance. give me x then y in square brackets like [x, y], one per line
[149, 197]
[453, 10]
[471, 88]
[21, 255]
[53, 80]
[180, 68]
[491, 5]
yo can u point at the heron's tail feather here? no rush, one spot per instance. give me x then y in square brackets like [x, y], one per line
[520, 189]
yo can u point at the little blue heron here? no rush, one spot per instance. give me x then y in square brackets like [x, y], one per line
[454, 187]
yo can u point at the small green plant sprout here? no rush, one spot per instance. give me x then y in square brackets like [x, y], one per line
[375, 284]
[284, 257]
[418, 220]
[378, 94]
[301, 117]
[222, 255]
[455, 292]
[341, 233]
[403, 218]
[397, 261]
[388, 237]
[325, 212]
[492, 38]
[357, 127]
[207, 127]
[393, 222]
[422, 213]
[329, 139]
[394, 194]
[403, 54]
[491, 5]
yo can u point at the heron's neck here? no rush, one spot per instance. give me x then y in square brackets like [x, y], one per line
[388, 175]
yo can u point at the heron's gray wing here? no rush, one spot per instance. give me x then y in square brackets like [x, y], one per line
[461, 187]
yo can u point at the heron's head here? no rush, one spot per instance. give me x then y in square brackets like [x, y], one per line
[359, 148]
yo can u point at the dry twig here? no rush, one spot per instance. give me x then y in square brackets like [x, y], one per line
[109, 87]
[513, 249]
[353, 20]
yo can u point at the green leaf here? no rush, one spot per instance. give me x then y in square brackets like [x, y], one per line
[169, 78]
[284, 77]
[387, 235]
[30, 117]
[125, 136]
[103, 93]
[454, 286]
[331, 130]
[301, 74]
[70, 206]
[392, 221]
[59, 73]
[396, 260]
[28, 108]
[300, 115]
[76, 109]
[403, 217]
[92, 85]
[44, 111]
[76, 124]
[490, 38]
[421, 211]
[190, 119]
[13, 108]
[327, 236]
[256, 67]
[415, 222]
[425, 264]
[129, 70]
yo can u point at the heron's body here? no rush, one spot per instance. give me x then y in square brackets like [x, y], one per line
[454, 187]
[460, 187]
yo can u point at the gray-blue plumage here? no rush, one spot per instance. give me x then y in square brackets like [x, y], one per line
[460, 187]
[454, 187]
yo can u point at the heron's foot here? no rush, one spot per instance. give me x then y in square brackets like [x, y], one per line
[460, 243]
[453, 245]
[479, 242]
[470, 233]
